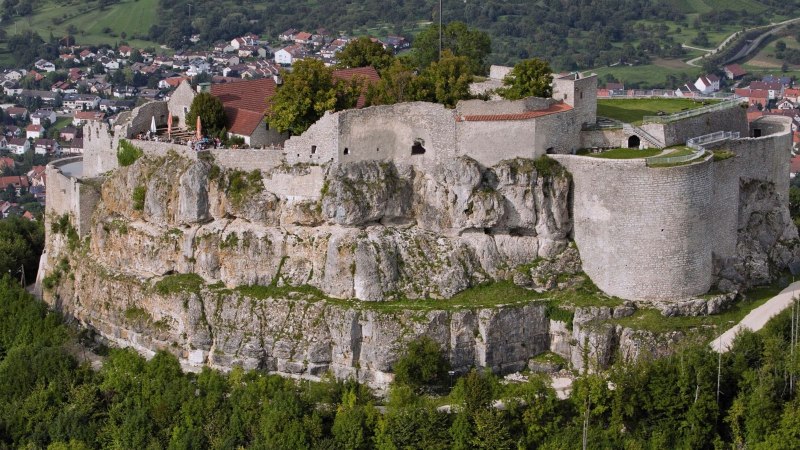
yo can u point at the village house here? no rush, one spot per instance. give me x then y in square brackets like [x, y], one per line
[773, 88]
[18, 145]
[288, 55]
[47, 147]
[734, 72]
[45, 66]
[34, 131]
[287, 35]
[74, 146]
[19, 183]
[17, 113]
[6, 162]
[36, 176]
[80, 102]
[41, 115]
[80, 118]
[707, 84]
[68, 133]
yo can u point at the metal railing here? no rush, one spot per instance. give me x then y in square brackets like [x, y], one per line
[725, 104]
[667, 160]
[698, 143]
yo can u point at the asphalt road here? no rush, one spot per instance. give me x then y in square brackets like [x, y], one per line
[758, 317]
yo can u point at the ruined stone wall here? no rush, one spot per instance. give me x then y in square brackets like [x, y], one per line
[76, 197]
[492, 107]
[99, 149]
[766, 158]
[179, 103]
[247, 159]
[580, 93]
[317, 145]
[557, 133]
[296, 184]
[643, 233]
[613, 138]
[141, 118]
[490, 142]
[264, 136]
[389, 132]
[679, 131]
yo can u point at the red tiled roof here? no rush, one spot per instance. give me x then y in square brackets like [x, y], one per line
[368, 73]
[736, 70]
[795, 164]
[245, 103]
[555, 108]
[16, 180]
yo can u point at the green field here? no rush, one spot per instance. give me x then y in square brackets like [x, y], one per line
[651, 75]
[131, 17]
[633, 110]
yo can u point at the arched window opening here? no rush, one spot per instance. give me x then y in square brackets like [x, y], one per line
[313, 149]
[634, 142]
[346, 151]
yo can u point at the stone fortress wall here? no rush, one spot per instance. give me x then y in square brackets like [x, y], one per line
[653, 233]
[679, 131]
[70, 195]
[643, 232]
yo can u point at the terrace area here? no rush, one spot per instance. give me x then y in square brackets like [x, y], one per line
[637, 110]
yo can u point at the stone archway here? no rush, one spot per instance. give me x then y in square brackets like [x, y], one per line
[634, 142]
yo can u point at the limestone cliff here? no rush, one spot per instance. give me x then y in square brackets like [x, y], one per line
[375, 231]
[229, 268]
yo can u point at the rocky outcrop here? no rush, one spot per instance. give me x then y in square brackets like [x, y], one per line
[227, 268]
[767, 241]
[375, 231]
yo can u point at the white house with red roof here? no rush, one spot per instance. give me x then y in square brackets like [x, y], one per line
[34, 131]
[707, 84]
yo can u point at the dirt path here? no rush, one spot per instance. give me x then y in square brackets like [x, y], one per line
[758, 317]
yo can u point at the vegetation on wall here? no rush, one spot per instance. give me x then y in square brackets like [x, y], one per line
[128, 153]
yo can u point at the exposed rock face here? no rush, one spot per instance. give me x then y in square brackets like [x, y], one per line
[767, 240]
[375, 231]
[366, 231]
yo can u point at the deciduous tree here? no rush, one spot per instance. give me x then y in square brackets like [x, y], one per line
[529, 78]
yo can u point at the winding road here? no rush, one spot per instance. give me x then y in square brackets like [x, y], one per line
[747, 49]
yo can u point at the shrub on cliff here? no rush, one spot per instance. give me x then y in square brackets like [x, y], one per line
[127, 153]
[422, 364]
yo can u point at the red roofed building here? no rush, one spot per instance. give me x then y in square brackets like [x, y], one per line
[734, 71]
[19, 182]
[246, 103]
[368, 74]
[34, 131]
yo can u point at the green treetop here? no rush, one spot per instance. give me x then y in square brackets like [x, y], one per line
[529, 78]
[363, 52]
[211, 112]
